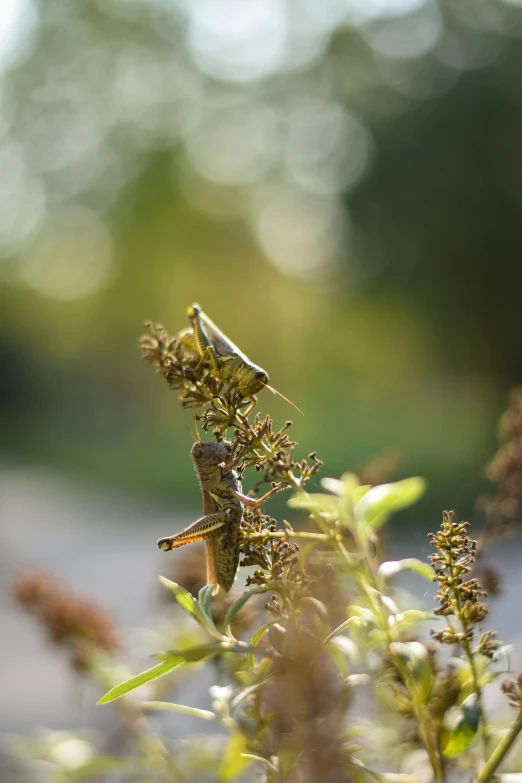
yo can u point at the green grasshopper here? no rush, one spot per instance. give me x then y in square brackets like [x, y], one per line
[223, 512]
[226, 360]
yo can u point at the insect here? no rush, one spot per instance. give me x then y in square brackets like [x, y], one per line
[222, 514]
[226, 360]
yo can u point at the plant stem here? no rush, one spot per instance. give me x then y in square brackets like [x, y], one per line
[500, 751]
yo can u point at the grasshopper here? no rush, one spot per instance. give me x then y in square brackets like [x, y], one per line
[223, 512]
[223, 502]
[226, 360]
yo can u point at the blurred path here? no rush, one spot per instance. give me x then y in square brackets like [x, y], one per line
[104, 547]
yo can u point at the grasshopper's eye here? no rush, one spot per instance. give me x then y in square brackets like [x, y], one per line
[197, 451]
[261, 375]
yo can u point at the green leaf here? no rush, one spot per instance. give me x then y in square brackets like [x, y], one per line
[261, 760]
[290, 749]
[347, 647]
[316, 503]
[380, 502]
[342, 627]
[192, 654]
[241, 601]
[315, 605]
[410, 618]
[168, 706]
[414, 656]
[339, 658]
[343, 487]
[392, 567]
[192, 607]
[360, 492]
[465, 728]
[234, 761]
[205, 600]
[140, 679]
[246, 692]
[335, 486]
[254, 641]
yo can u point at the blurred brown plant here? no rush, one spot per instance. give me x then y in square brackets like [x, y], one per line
[513, 690]
[70, 621]
[504, 471]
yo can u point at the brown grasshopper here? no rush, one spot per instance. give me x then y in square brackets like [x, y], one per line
[222, 513]
[226, 360]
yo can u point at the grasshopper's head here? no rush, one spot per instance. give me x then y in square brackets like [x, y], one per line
[253, 381]
[193, 311]
[209, 453]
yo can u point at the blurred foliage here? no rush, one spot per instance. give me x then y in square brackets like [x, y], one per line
[337, 183]
[286, 708]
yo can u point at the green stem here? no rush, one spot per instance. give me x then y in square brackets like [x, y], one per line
[500, 751]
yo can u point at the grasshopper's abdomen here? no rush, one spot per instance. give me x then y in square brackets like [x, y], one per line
[229, 536]
[228, 556]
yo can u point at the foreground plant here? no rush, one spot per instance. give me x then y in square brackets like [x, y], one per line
[324, 671]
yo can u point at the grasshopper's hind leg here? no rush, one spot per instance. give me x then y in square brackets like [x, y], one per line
[201, 528]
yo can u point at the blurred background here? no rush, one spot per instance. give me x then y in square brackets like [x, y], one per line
[337, 183]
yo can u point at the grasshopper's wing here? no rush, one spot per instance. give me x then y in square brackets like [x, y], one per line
[223, 344]
[212, 547]
[212, 552]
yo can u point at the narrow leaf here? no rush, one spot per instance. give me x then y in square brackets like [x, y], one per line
[261, 760]
[199, 653]
[254, 641]
[192, 654]
[415, 657]
[182, 708]
[205, 599]
[140, 679]
[410, 618]
[392, 567]
[191, 606]
[342, 627]
[246, 692]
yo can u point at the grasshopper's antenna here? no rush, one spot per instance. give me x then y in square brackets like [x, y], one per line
[274, 391]
[191, 434]
[195, 418]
